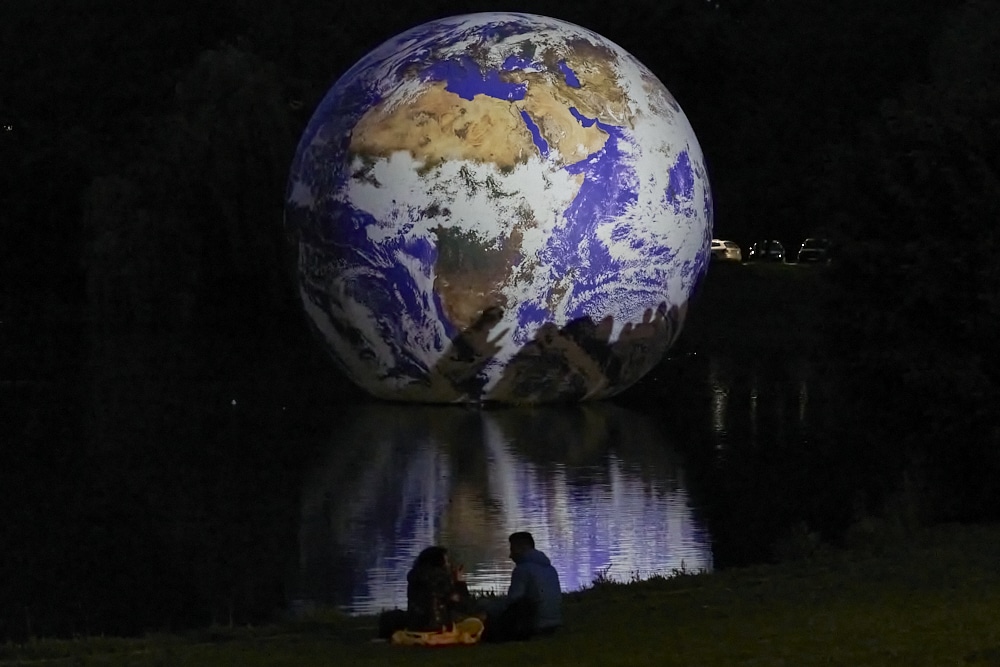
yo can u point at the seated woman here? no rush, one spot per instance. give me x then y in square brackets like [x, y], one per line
[436, 593]
[436, 596]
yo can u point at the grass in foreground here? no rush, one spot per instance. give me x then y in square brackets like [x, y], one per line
[933, 599]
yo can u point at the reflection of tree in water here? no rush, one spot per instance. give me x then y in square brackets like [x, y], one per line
[570, 434]
[598, 485]
[761, 446]
[381, 480]
[569, 363]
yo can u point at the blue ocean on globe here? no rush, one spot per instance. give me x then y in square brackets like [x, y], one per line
[498, 207]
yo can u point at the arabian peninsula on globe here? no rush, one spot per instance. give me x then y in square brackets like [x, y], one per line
[498, 208]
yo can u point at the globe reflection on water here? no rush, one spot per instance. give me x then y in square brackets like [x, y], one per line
[598, 486]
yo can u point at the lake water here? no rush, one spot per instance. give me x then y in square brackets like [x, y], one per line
[599, 486]
[604, 488]
[141, 501]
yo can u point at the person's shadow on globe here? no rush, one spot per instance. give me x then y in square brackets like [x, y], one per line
[560, 364]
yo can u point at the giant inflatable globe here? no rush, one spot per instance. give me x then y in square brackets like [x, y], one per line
[498, 207]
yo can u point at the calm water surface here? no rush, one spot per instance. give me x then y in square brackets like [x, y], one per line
[604, 488]
[600, 487]
[188, 505]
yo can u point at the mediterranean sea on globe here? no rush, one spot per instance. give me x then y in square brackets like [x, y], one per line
[498, 207]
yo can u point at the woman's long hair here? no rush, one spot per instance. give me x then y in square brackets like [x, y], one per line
[431, 557]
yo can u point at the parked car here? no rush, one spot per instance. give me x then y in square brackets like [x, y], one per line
[726, 251]
[767, 251]
[814, 251]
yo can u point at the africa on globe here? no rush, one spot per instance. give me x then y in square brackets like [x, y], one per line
[498, 207]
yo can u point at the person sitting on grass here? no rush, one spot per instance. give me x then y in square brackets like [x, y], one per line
[436, 596]
[533, 604]
[436, 592]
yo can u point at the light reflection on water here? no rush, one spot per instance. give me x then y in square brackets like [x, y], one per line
[599, 486]
[761, 397]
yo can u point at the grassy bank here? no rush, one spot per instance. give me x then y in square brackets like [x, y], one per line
[929, 599]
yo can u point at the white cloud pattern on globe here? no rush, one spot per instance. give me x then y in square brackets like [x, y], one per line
[498, 207]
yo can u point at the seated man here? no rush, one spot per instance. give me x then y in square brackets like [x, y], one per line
[533, 604]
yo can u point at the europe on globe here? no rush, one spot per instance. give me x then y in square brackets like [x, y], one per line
[498, 207]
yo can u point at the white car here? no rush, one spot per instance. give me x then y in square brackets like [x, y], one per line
[726, 251]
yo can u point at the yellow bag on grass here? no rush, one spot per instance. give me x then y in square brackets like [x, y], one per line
[464, 633]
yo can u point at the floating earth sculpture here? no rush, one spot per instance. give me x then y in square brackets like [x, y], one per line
[498, 207]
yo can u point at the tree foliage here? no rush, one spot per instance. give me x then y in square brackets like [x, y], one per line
[920, 298]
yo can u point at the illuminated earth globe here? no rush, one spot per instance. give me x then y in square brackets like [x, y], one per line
[498, 207]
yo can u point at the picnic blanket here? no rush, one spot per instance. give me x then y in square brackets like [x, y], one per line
[464, 633]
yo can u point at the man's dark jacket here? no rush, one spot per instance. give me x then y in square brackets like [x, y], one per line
[535, 578]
